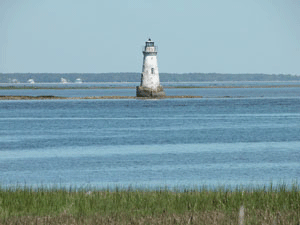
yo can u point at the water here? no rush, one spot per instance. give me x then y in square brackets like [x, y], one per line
[152, 143]
[165, 84]
[205, 92]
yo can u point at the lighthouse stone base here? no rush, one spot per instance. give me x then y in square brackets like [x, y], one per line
[150, 93]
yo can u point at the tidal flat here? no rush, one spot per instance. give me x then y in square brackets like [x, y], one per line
[123, 91]
[239, 205]
[51, 97]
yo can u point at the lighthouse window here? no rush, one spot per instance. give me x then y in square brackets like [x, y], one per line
[149, 44]
[152, 70]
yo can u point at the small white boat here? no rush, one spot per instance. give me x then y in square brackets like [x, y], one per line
[30, 81]
[78, 81]
[15, 81]
[63, 80]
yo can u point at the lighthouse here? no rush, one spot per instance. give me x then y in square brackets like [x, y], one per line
[150, 85]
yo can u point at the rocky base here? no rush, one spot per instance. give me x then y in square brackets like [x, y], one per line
[150, 93]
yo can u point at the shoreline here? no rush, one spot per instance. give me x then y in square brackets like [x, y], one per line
[50, 97]
[12, 87]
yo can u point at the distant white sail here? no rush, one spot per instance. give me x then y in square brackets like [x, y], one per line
[15, 81]
[63, 80]
[78, 81]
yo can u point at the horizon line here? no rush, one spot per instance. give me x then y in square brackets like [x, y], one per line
[273, 74]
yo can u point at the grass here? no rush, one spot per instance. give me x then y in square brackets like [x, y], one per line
[279, 205]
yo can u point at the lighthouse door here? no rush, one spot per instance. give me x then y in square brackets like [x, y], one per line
[152, 70]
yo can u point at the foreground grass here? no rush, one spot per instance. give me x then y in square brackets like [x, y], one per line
[280, 205]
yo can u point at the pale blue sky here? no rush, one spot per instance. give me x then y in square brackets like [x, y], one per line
[96, 36]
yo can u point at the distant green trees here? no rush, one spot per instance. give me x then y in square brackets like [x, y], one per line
[135, 77]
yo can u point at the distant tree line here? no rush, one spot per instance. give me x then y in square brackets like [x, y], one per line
[135, 77]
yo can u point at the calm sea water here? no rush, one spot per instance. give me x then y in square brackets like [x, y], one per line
[254, 139]
[165, 84]
[205, 92]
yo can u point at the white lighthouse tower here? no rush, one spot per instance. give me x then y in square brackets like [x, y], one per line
[150, 85]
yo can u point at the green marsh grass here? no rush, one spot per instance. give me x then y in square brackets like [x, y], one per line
[262, 205]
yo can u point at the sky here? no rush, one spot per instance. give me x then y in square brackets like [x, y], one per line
[193, 36]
